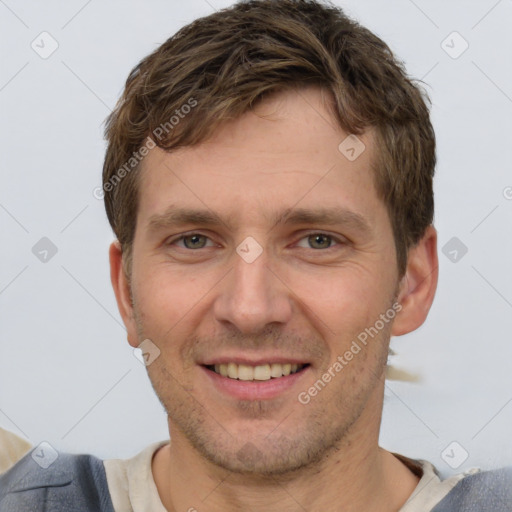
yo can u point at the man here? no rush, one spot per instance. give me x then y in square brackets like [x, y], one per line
[269, 181]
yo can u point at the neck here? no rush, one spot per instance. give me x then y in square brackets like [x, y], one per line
[356, 475]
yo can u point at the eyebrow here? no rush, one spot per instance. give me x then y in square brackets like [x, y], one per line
[326, 216]
[174, 217]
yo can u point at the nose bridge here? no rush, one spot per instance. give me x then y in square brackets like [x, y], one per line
[252, 296]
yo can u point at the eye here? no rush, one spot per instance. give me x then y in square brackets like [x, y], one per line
[192, 241]
[319, 241]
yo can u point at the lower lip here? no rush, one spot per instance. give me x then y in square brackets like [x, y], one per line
[254, 390]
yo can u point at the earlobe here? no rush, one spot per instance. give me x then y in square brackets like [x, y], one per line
[418, 285]
[122, 292]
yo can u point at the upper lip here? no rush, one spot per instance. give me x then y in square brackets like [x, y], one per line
[252, 361]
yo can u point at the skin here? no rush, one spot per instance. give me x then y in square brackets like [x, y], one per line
[303, 297]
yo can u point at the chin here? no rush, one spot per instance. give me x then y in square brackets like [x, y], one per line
[264, 452]
[279, 457]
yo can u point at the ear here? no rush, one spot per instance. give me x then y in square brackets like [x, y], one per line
[418, 285]
[122, 291]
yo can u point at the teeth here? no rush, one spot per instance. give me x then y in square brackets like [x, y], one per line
[276, 370]
[245, 372]
[260, 372]
[232, 371]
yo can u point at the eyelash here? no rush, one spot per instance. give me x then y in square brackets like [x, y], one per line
[336, 240]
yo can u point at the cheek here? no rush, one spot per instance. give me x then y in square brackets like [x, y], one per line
[343, 306]
[159, 301]
[342, 296]
[170, 307]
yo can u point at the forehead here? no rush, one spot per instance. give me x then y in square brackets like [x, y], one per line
[288, 151]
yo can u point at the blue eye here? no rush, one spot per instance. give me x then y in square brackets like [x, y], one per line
[318, 241]
[314, 241]
[193, 241]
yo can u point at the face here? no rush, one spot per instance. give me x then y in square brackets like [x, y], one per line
[263, 251]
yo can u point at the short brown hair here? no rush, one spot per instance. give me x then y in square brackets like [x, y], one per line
[224, 63]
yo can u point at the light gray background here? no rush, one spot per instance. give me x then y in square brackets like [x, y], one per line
[67, 374]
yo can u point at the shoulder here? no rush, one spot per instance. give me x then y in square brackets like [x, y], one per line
[131, 482]
[486, 490]
[55, 482]
[471, 491]
[13, 448]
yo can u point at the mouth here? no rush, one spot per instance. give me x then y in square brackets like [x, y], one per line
[260, 372]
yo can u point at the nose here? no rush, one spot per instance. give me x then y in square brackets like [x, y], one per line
[252, 296]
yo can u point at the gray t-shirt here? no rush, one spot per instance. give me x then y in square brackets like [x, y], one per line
[84, 483]
[133, 489]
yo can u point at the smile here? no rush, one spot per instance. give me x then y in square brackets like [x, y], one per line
[256, 373]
